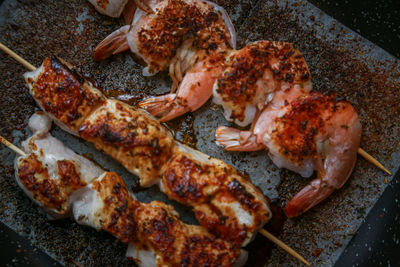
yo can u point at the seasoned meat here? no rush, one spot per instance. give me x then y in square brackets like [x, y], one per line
[100, 199]
[224, 201]
[132, 137]
[51, 172]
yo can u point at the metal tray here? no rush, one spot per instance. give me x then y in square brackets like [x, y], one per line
[339, 59]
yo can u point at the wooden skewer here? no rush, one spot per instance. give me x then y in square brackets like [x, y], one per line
[12, 146]
[283, 245]
[262, 231]
[29, 66]
[371, 159]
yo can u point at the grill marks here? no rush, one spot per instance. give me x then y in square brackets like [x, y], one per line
[64, 93]
[209, 188]
[147, 149]
[186, 245]
[176, 22]
[151, 226]
[53, 193]
[119, 207]
[138, 142]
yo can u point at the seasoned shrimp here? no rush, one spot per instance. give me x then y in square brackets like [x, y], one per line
[253, 74]
[188, 37]
[155, 38]
[303, 133]
[194, 88]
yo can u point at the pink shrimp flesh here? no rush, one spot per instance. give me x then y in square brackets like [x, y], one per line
[335, 149]
[254, 73]
[194, 90]
[155, 37]
[303, 133]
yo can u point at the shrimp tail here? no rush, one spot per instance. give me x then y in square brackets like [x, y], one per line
[308, 197]
[129, 11]
[165, 107]
[115, 43]
[233, 139]
[143, 5]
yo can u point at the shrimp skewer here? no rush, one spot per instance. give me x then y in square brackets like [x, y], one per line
[65, 184]
[304, 133]
[189, 38]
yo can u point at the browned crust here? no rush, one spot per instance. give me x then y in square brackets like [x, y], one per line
[102, 3]
[244, 68]
[198, 185]
[51, 193]
[117, 214]
[62, 92]
[306, 118]
[178, 21]
[155, 226]
[180, 244]
[132, 138]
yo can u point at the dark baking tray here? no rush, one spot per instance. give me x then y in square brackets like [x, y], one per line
[365, 248]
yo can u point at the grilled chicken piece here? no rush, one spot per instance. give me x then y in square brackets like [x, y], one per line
[56, 178]
[224, 201]
[157, 236]
[132, 137]
[215, 189]
[51, 172]
[63, 94]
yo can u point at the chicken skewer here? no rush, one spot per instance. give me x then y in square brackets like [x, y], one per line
[47, 148]
[65, 185]
[224, 200]
[235, 186]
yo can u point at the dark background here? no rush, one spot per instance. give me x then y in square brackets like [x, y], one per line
[377, 241]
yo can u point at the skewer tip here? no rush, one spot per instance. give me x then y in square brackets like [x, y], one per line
[283, 246]
[18, 58]
[371, 159]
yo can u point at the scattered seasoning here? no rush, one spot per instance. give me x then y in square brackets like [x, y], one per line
[317, 252]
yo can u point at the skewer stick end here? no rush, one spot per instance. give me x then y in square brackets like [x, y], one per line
[283, 246]
[15, 56]
[371, 159]
[12, 146]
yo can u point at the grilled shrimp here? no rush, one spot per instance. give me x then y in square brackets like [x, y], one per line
[254, 74]
[303, 133]
[190, 38]
[245, 81]
[193, 91]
